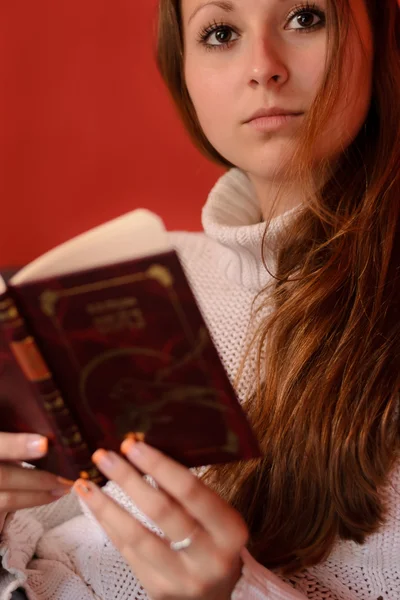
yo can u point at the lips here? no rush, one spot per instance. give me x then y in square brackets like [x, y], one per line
[271, 112]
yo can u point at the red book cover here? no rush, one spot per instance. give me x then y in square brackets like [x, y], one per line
[129, 351]
[31, 403]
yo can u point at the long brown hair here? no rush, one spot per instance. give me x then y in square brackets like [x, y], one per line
[326, 411]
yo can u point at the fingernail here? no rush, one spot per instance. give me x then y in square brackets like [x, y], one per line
[36, 445]
[58, 492]
[67, 482]
[83, 488]
[133, 449]
[135, 436]
[104, 459]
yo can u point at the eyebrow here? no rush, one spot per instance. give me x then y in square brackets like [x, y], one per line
[227, 6]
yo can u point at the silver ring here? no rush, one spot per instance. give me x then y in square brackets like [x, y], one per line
[183, 544]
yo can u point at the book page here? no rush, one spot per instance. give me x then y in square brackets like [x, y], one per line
[3, 287]
[133, 235]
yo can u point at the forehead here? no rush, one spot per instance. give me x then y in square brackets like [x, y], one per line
[192, 8]
[235, 4]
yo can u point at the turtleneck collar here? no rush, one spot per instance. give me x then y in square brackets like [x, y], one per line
[232, 216]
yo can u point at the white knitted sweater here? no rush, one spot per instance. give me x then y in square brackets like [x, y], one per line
[58, 552]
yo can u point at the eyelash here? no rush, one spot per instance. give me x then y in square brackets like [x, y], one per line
[307, 7]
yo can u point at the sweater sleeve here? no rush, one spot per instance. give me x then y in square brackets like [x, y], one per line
[64, 554]
[258, 583]
[20, 536]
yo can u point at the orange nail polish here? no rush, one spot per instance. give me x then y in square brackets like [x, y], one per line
[37, 446]
[104, 459]
[130, 440]
[127, 445]
[83, 488]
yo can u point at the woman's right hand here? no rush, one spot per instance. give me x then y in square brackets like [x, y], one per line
[23, 487]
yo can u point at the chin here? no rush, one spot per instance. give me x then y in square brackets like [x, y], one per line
[265, 168]
[267, 161]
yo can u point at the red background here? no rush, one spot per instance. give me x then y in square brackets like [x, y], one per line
[87, 128]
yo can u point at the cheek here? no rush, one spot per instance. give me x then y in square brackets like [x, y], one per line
[212, 94]
[310, 77]
[307, 70]
[354, 101]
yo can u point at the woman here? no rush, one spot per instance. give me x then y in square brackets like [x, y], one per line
[298, 277]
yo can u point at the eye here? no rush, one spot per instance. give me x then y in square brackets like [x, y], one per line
[222, 35]
[307, 18]
[217, 36]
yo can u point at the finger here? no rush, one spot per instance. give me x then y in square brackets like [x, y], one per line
[160, 508]
[166, 513]
[12, 501]
[22, 446]
[15, 477]
[222, 522]
[136, 543]
[162, 572]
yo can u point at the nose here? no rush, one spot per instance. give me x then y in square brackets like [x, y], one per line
[266, 65]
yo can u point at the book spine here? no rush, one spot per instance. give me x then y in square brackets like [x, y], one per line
[67, 436]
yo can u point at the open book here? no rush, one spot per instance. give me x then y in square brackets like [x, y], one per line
[101, 338]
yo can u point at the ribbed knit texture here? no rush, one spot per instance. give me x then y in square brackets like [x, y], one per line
[59, 552]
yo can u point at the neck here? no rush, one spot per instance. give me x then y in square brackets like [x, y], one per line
[274, 197]
[232, 217]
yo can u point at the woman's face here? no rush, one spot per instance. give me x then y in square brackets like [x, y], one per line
[246, 55]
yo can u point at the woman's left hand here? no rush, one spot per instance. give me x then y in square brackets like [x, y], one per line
[183, 507]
